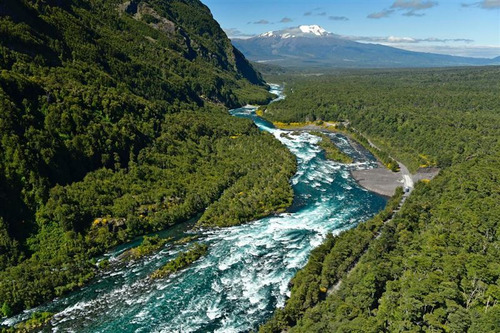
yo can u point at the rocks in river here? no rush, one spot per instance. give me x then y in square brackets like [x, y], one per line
[285, 135]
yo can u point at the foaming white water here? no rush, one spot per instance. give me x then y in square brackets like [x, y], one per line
[245, 274]
[254, 262]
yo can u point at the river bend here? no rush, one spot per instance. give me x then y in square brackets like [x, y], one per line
[246, 272]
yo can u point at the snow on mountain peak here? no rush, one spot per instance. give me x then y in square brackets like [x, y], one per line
[313, 29]
[267, 34]
[300, 31]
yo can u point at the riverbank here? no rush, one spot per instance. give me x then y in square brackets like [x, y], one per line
[379, 180]
[245, 274]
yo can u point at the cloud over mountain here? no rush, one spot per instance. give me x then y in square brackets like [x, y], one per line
[261, 22]
[398, 40]
[485, 4]
[313, 46]
[381, 14]
[407, 7]
[338, 18]
[236, 33]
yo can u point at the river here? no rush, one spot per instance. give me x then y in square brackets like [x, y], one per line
[246, 272]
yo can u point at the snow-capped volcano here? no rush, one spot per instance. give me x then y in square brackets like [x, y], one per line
[300, 31]
[313, 29]
[312, 46]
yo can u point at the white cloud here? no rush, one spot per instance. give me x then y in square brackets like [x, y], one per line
[408, 7]
[462, 47]
[413, 4]
[236, 33]
[394, 39]
[485, 4]
[406, 40]
[489, 4]
[338, 18]
[382, 14]
[474, 51]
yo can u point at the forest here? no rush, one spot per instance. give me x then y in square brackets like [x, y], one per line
[435, 266]
[421, 117]
[114, 124]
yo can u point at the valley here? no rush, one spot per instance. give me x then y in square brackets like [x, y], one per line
[244, 276]
[152, 180]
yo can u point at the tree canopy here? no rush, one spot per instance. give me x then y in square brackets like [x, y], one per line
[435, 266]
[113, 123]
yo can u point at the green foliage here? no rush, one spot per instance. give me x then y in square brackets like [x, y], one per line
[381, 155]
[37, 320]
[447, 115]
[327, 265]
[112, 125]
[434, 267]
[6, 309]
[253, 95]
[256, 193]
[183, 260]
[150, 244]
[331, 150]
[103, 264]
[186, 239]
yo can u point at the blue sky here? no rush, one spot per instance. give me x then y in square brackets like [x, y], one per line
[466, 28]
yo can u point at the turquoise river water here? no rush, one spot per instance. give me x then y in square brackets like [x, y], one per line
[246, 272]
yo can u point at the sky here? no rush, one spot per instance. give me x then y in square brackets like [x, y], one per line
[457, 27]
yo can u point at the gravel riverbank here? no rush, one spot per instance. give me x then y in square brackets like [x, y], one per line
[379, 180]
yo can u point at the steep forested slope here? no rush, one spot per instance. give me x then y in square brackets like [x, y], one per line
[435, 266]
[113, 124]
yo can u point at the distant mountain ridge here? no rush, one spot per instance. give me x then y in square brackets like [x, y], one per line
[313, 46]
[300, 31]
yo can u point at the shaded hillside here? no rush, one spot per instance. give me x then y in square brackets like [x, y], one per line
[113, 123]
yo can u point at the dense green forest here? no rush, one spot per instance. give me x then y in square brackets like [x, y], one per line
[327, 265]
[113, 123]
[382, 155]
[435, 266]
[426, 116]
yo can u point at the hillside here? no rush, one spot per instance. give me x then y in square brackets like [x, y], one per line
[113, 123]
[314, 47]
[434, 267]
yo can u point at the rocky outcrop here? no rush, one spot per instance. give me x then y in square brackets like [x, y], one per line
[143, 12]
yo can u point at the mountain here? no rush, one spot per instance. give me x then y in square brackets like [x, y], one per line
[313, 46]
[113, 124]
[300, 31]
